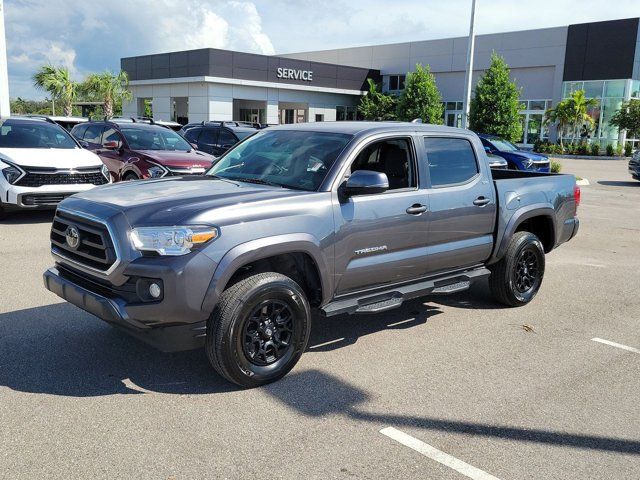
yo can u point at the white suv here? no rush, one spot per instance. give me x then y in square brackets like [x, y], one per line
[41, 164]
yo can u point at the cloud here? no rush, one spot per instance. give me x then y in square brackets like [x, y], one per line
[85, 36]
[94, 35]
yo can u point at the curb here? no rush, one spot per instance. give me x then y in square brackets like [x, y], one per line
[587, 157]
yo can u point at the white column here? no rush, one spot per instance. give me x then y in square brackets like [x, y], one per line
[161, 108]
[4, 77]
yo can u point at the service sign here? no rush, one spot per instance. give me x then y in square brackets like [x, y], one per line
[306, 75]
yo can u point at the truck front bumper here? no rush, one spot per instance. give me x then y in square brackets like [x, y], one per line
[147, 324]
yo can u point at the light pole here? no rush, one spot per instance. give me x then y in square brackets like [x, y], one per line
[4, 77]
[469, 73]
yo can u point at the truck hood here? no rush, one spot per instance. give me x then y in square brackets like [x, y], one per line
[176, 159]
[169, 201]
[50, 157]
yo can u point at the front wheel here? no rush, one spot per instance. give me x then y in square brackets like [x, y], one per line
[517, 277]
[259, 329]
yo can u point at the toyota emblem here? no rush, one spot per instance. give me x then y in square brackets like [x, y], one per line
[72, 236]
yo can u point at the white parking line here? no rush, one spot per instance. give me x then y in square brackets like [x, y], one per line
[437, 455]
[401, 322]
[327, 343]
[617, 345]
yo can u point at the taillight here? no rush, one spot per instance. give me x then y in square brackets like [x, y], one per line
[576, 195]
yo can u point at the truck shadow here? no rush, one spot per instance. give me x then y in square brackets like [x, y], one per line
[617, 183]
[334, 396]
[28, 218]
[60, 350]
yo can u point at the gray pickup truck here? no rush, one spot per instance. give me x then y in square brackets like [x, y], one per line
[343, 217]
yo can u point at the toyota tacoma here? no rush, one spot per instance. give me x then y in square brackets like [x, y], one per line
[343, 217]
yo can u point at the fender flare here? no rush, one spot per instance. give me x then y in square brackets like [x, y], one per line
[519, 216]
[263, 248]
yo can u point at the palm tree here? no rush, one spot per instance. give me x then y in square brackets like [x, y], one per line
[561, 116]
[57, 81]
[580, 106]
[108, 88]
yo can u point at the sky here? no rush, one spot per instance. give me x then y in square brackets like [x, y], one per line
[92, 35]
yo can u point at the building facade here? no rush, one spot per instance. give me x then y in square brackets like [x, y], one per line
[213, 84]
[603, 58]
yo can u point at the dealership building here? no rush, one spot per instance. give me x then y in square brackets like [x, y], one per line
[602, 58]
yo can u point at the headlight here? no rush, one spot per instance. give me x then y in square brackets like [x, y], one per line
[157, 171]
[171, 240]
[105, 172]
[12, 174]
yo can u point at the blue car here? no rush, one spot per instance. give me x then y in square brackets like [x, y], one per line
[517, 159]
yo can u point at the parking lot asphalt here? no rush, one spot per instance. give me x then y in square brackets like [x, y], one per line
[511, 393]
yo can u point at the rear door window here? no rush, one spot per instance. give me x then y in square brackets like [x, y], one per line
[451, 161]
[226, 138]
[208, 136]
[94, 134]
[192, 134]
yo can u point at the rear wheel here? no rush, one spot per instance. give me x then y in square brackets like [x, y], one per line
[3, 213]
[259, 329]
[517, 277]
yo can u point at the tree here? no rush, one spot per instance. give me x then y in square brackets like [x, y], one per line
[560, 115]
[57, 81]
[571, 114]
[496, 104]
[109, 88]
[628, 118]
[376, 105]
[421, 97]
[579, 107]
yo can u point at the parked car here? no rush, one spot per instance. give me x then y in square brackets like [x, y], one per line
[175, 126]
[65, 122]
[341, 217]
[217, 137]
[134, 150]
[634, 165]
[497, 162]
[41, 164]
[516, 158]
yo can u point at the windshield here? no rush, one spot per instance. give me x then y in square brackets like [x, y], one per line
[34, 135]
[159, 138]
[503, 145]
[290, 159]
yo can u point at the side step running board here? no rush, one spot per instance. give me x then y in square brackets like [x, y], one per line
[384, 300]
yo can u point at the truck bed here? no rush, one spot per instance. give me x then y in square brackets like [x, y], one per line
[549, 194]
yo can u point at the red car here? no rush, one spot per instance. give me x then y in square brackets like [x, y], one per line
[135, 150]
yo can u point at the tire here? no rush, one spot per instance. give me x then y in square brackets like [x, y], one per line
[130, 176]
[3, 213]
[517, 277]
[243, 350]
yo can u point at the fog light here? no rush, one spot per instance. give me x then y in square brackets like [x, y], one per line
[154, 290]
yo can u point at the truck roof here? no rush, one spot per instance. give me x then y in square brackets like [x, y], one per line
[358, 127]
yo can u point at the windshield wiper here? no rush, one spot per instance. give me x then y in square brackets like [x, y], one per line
[258, 181]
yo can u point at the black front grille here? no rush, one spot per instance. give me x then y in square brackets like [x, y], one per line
[37, 177]
[95, 248]
[43, 199]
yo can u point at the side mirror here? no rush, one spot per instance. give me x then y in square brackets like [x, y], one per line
[365, 182]
[113, 145]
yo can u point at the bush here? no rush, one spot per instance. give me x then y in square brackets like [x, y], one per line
[595, 148]
[610, 150]
[628, 149]
[556, 167]
[619, 150]
[556, 149]
[583, 149]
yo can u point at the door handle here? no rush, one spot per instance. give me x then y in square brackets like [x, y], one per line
[416, 209]
[481, 201]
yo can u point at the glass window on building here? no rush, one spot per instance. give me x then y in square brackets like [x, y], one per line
[346, 113]
[396, 82]
[635, 88]
[593, 89]
[614, 88]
